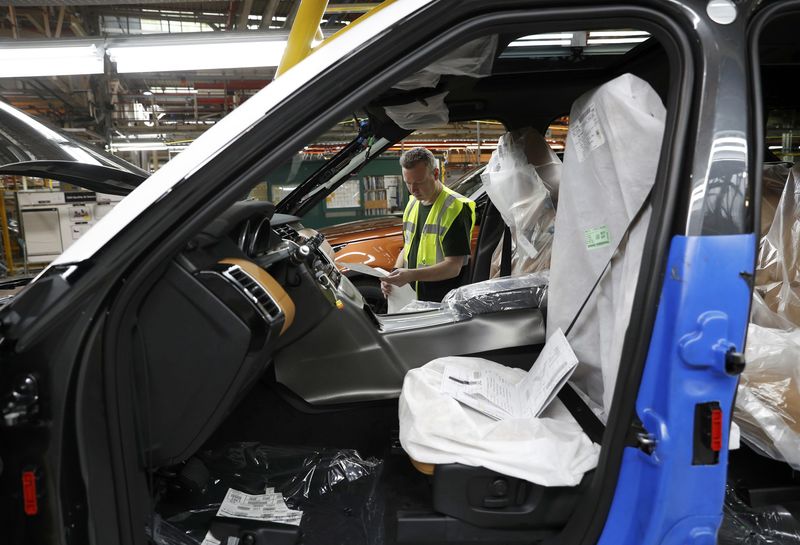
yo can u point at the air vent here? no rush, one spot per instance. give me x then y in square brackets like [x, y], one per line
[254, 291]
[287, 232]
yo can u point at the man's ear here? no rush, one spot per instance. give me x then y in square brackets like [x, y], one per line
[436, 173]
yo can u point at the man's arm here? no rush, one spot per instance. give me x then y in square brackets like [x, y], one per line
[449, 268]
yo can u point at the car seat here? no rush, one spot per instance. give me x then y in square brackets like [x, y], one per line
[505, 474]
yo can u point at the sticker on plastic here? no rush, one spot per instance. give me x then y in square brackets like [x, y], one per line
[597, 237]
[586, 133]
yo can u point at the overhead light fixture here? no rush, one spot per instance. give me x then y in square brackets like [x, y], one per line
[168, 54]
[138, 146]
[33, 58]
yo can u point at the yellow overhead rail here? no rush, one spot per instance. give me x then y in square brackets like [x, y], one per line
[306, 28]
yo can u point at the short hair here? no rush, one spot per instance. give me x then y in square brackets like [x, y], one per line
[418, 155]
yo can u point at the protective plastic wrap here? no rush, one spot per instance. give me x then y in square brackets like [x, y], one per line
[743, 525]
[420, 306]
[335, 490]
[493, 295]
[778, 265]
[420, 114]
[497, 294]
[772, 182]
[768, 399]
[473, 59]
[514, 185]
[610, 163]
[550, 450]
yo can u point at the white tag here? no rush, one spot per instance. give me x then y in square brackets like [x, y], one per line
[586, 133]
[269, 507]
[552, 369]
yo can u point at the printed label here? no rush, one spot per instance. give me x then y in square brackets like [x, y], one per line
[597, 237]
[269, 506]
[586, 133]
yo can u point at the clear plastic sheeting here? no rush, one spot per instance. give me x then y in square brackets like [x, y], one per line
[610, 163]
[335, 489]
[421, 306]
[550, 450]
[743, 525]
[420, 114]
[778, 265]
[493, 295]
[323, 470]
[514, 182]
[497, 294]
[768, 398]
[473, 59]
[773, 179]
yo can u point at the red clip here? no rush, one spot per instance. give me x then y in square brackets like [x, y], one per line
[29, 493]
[716, 430]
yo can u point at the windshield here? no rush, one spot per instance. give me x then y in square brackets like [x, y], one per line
[470, 183]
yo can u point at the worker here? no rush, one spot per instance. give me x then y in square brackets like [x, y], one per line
[437, 231]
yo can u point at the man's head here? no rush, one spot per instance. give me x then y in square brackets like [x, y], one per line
[420, 174]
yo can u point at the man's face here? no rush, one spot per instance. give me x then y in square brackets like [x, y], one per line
[421, 182]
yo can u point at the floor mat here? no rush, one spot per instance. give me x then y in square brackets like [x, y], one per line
[337, 491]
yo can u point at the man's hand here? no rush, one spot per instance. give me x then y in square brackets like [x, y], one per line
[386, 289]
[400, 277]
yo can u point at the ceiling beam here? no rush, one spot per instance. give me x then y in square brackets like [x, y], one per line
[244, 14]
[60, 22]
[267, 15]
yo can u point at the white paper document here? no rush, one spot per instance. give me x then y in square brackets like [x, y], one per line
[377, 272]
[269, 507]
[496, 397]
[399, 297]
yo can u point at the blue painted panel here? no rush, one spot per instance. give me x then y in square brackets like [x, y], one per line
[703, 311]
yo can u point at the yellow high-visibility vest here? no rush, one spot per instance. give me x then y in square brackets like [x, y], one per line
[446, 208]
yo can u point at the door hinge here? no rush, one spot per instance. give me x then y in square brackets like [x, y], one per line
[21, 404]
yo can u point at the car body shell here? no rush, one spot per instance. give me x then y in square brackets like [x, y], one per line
[694, 292]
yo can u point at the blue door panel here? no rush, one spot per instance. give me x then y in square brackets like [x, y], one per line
[702, 314]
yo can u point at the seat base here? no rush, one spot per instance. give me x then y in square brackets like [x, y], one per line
[488, 499]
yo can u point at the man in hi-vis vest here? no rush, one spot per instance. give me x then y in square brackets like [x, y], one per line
[437, 230]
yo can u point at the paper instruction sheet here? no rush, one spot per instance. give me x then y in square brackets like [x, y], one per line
[399, 297]
[268, 507]
[493, 395]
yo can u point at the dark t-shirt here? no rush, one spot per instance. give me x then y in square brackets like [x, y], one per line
[456, 242]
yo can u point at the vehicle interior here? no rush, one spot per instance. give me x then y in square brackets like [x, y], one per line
[255, 365]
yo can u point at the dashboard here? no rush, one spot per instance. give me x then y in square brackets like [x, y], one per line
[273, 246]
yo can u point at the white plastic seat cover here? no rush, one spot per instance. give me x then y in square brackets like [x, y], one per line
[522, 180]
[610, 162]
[551, 450]
[610, 166]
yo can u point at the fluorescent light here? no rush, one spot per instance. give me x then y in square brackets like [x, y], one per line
[217, 54]
[776, 147]
[608, 41]
[549, 36]
[539, 43]
[617, 33]
[138, 146]
[33, 59]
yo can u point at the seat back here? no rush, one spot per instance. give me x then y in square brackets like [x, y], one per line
[610, 163]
